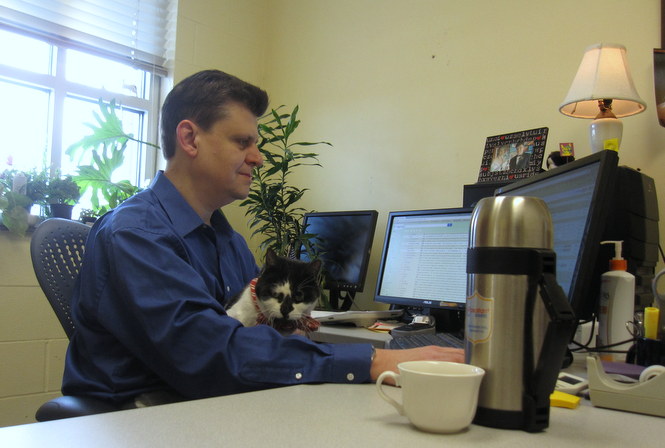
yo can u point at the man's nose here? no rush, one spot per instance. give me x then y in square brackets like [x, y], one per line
[255, 158]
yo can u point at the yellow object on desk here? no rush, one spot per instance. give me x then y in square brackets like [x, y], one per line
[651, 316]
[564, 400]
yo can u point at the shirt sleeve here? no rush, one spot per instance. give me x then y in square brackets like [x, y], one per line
[172, 325]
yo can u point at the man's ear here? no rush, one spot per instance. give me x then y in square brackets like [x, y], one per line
[186, 137]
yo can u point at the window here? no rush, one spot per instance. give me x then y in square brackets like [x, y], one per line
[59, 58]
[48, 97]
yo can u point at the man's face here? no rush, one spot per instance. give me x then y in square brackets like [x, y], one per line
[227, 156]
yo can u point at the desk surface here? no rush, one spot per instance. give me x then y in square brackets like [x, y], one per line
[327, 415]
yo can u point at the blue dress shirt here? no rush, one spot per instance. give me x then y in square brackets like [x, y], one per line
[149, 311]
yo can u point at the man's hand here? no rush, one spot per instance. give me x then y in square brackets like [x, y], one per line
[388, 359]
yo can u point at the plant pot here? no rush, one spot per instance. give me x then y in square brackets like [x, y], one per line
[61, 210]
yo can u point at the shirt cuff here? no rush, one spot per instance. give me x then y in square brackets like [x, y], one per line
[351, 363]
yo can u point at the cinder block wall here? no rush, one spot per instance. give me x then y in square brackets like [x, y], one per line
[32, 342]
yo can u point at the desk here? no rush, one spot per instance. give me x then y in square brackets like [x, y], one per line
[313, 416]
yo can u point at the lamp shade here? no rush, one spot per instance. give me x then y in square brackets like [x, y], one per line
[602, 75]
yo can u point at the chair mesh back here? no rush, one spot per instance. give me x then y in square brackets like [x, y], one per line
[56, 250]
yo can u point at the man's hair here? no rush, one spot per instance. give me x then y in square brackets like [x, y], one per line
[202, 98]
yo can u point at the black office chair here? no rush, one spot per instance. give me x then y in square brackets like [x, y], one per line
[56, 250]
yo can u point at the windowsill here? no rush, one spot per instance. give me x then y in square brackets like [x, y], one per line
[5, 231]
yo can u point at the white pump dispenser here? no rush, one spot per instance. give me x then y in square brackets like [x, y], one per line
[617, 305]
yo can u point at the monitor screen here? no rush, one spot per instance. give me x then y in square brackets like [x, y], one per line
[578, 196]
[423, 264]
[343, 240]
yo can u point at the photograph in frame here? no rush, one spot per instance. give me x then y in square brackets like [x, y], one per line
[513, 156]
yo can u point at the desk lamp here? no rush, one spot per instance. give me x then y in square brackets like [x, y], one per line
[603, 89]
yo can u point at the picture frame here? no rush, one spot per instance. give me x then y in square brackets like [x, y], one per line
[513, 156]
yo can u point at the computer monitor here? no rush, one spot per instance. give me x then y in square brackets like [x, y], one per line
[343, 240]
[423, 263]
[578, 195]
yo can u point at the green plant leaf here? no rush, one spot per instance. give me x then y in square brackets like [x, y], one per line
[16, 220]
[104, 148]
[271, 205]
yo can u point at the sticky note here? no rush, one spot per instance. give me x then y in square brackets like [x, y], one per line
[611, 144]
[564, 400]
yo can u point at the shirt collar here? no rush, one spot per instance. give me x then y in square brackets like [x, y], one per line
[182, 215]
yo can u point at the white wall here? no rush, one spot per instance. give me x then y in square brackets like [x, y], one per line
[407, 92]
[224, 34]
[32, 341]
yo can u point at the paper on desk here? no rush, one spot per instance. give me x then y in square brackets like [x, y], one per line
[383, 327]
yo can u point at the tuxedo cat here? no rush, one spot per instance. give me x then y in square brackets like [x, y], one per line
[283, 296]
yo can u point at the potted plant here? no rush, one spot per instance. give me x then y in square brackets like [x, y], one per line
[19, 191]
[88, 216]
[104, 151]
[62, 194]
[272, 201]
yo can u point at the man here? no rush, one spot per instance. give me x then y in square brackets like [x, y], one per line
[158, 270]
[521, 160]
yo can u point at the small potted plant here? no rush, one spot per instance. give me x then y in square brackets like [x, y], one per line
[19, 191]
[88, 216]
[62, 194]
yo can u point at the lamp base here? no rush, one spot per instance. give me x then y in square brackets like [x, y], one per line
[605, 133]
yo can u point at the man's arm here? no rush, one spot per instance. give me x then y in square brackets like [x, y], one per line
[388, 359]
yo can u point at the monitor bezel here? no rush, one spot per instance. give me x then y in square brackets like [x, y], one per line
[334, 284]
[411, 303]
[585, 285]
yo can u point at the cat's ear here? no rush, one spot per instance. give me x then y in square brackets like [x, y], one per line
[271, 257]
[315, 267]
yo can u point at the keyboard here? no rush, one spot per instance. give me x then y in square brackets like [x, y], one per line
[423, 339]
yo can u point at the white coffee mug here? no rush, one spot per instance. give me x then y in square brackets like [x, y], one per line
[437, 396]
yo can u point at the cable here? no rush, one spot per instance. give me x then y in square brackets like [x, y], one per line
[591, 335]
[604, 348]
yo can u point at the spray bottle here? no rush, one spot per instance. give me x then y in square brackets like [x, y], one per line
[617, 305]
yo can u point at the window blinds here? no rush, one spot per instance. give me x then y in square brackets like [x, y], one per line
[132, 30]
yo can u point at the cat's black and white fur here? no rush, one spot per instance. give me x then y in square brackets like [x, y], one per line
[286, 293]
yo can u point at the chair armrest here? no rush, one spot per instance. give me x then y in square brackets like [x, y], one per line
[71, 406]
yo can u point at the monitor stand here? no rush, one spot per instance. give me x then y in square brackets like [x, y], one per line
[336, 296]
[449, 321]
[420, 324]
[445, 320]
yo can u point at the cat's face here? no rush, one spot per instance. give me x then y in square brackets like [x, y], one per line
[288, 289]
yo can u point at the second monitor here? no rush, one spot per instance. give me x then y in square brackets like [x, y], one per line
[423, 264]
[343, 240]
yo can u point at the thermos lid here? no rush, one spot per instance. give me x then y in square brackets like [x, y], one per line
[511, 221]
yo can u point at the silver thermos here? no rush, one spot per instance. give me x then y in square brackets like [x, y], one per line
[518, 321]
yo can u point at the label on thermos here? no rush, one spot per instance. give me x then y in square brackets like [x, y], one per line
[479, 312]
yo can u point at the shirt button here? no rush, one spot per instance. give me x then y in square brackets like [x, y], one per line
[298, 376]
[350, 376]
[228, 288]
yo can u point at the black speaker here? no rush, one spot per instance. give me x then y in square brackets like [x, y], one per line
[475, 192]
[633, 218]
